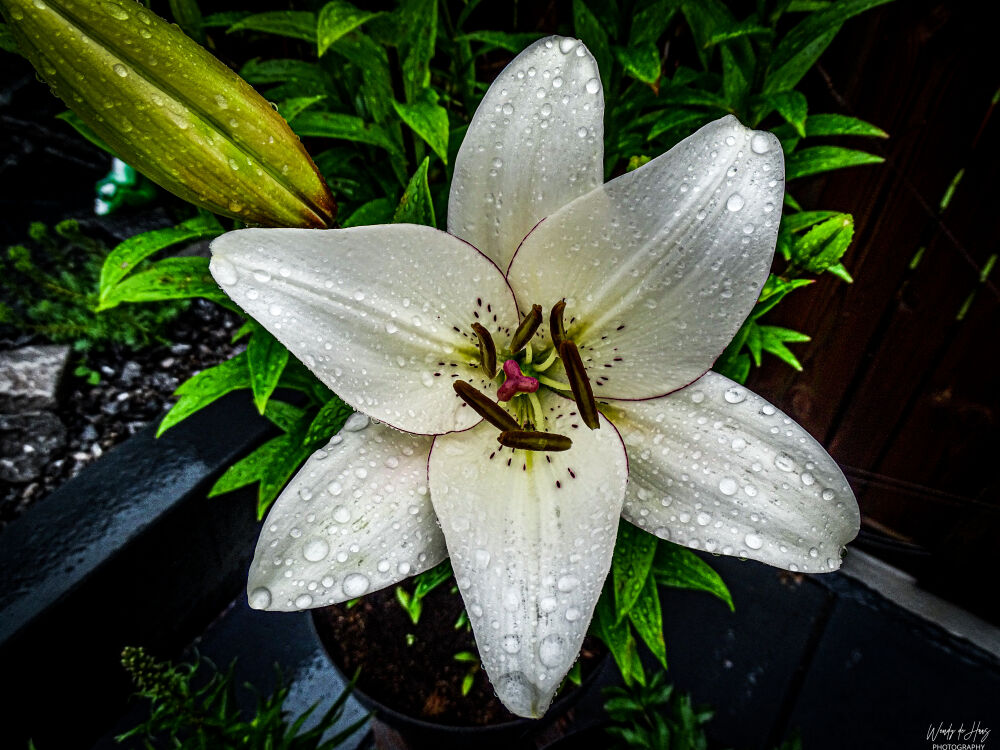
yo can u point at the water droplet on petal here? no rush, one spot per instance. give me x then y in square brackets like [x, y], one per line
[341, 514]
[735, 395]
[735, 202]
[260, 598]
[551, 651]
[728, 486]
[303, 601]
[315, 550]
[760, 143]
[567, 583]
[593, 86]
[566, 45]
[355, 584]
[224, 271]
[784, 462]
[356, 422]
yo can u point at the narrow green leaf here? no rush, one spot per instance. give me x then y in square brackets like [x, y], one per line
[284, 415]
[797, 222]
[327, 422]
[630, 565]
[431, 579]
[818, 159]
[824, 244]
[799, 50]
[510, 42]
[838, 270]
[418, 19]
[416, 205]
[747, 27]
[773, 340]
[272, 465]
[259, 72]
[754, 342]
[592, 33]
[337, 125]
[642, 62]
[202, 389]
[297, 24]
[647, 618]
[122, 260]
[266, 358]
[291, 108]
[171, 278]
[429, 120]
[792, 106]
[85, 130]
[336, 19]
[650, 23]
[617, 636]
[735, 84]
[682, 120]
[377, 211]
[679, 567]
[187, 15]
[830, 125]
[775, 289]
[223, 19]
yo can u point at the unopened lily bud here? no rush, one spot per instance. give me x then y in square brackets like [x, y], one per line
[172, 110]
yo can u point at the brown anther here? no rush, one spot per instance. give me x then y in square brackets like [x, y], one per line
[487, 350]
[485, 407]
[531, 440]
[527, 329]
[556, 329]
[583, 394]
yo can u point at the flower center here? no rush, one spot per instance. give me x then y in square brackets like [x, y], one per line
[518, 430]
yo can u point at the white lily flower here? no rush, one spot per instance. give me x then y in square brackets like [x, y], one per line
[657, 270]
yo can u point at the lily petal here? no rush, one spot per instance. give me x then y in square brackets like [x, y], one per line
[530, 536]
[382, 314]
[716, 467]
[535, 143]
[356, 518]
[660, 266]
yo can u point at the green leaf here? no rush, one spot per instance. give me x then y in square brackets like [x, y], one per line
[272, 465]
[171, 278]
[617, 636]
[642, 62]
[122, 260]
[202, 389]
[830, 125]
[747, 27]
[223, 19]
[187, 15]
[775, 289]
[679, 567]
[804, 219]
[260, 72]
[773, 340]
[327, 422]
[377, 211]
[283, 415]
[684, 120]
[416, 205]
[266, 358]
[818, 159]
[824, 244]
[650, 23]
[345, 127]
[592, 33]
[799, 50]
[647, 618]
[431, 579]
[291, 108]
[297, 24]
[418, 20]
[735, 85]
[754, 342]
[510, 42]
[630, 565]
[84, 129]
[840, 272]
[336, 19]
[429, 120]
[792, 106]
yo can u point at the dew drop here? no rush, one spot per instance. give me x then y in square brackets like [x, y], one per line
[482, 557]
[567, 583]
[735, 202]
[341, 514]
[807, 479]
[303, 601]
[356, 422]
[728, 486]
[115, 11]
[828, 494]
[120, 70]
[572, 614]
[581, 132]
[566, 45]
[753, 541]
[403, 568]
[593, 86]
[315, 550]
[551, 650]
[759, 143]
[784, 462]
[735, 395]
[511, 644]
[220, 101]
[704, 519]
[260, 598]
[507, 109]
[355, 584]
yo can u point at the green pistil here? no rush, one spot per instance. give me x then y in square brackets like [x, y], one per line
[553, 384]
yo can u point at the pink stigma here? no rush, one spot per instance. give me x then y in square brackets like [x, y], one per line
[516, 382]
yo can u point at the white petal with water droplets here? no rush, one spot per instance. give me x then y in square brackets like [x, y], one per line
[716, 467]
[660, 266]
[535, 143]
[381, 314]
[356, 518]
[530, 537]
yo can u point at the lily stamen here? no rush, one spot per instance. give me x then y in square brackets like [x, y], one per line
[556, 329]
[532, 440]
[487, 350]
[526, 329]
[485, 407]
[583, 394]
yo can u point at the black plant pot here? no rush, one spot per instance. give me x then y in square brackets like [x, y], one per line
[394, 730]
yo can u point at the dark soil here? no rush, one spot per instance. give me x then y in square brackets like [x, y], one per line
[420, 678]
[136, 389]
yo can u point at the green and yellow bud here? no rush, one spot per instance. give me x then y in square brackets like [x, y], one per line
[172, 110]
